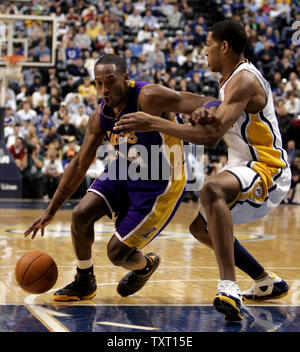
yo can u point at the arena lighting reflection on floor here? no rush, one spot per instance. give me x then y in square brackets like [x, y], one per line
[121, 318]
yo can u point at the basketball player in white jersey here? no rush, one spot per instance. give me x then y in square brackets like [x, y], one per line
[257, 176]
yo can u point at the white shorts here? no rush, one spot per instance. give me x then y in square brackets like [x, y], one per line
[253, 202]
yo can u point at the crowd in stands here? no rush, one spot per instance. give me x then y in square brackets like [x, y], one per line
[162, 41]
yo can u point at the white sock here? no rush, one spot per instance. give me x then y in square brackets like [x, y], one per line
[269, 276]
[84, 264]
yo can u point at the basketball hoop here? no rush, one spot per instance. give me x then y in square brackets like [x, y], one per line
[13, 60]
[12, 67]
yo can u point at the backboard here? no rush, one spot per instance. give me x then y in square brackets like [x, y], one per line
[33, 37]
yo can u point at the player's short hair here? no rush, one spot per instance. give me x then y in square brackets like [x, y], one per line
[232, 32]
[112, 59]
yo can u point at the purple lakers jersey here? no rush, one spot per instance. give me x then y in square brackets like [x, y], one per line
[131, 145]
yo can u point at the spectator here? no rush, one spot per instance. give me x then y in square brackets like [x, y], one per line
[73, 100]
[271, 37]
[91, 104]
[77, 118]
[144, 33]
[291, 151]
[87, 88]
[11, 138]
[293, 84]
[174, 17]
[148, 46]
[52, 171]
[77, 69]
[72, 17]
[82, 40]
[40, 98]
[159, 64]
[261, 16]
[66, 129]
[17, 151]
[286, 68]
[150, 21]
[292, 104]
[195, 85]
[134, 20]
[120, 46]
[51, 137]
[73, 53]
[135, 47]
[43, 126]
[32, 181]
[116, 9]
[81, 129]
[127, 9]
[42, 52]
[9, 122]
[112, 26]
[27, 113]
[89, 63]
[139, 5]
[68, 86]
[21, 97]
[266, 60]
[93, 30]
[108, 48]
[10, 97]
[166, 8]
[59, 115]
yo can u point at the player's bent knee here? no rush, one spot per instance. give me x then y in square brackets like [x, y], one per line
[117, 253]
[116, 257]
[210, 192]
[79, 215]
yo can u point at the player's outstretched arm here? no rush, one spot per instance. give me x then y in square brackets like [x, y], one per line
[236, 100]
[73, 175]
[156, 99]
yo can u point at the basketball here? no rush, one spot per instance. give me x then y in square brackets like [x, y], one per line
[36, 272]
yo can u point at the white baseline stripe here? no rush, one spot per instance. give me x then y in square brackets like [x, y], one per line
[126, 325]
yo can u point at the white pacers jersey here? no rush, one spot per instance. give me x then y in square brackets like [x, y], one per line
[255, 140]
[256, 158]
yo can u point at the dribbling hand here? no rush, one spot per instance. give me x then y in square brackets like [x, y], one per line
[39, 224]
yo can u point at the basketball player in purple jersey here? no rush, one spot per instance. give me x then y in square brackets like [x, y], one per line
[143, 207]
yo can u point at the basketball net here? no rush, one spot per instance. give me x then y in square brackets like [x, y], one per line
[11, 70]
[13, 67]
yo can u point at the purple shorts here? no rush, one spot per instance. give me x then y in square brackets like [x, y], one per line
[143, 208]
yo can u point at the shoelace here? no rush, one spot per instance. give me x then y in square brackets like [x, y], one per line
[231, 286]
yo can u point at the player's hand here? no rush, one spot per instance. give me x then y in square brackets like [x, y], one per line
[39, 224]
[135, 122]
[202, 116]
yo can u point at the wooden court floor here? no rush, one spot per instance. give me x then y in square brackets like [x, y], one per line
[177, 298]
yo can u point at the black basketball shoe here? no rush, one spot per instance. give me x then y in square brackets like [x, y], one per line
[134, 281]
[83, 287]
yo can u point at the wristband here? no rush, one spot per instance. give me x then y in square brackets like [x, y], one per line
[212, 103]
